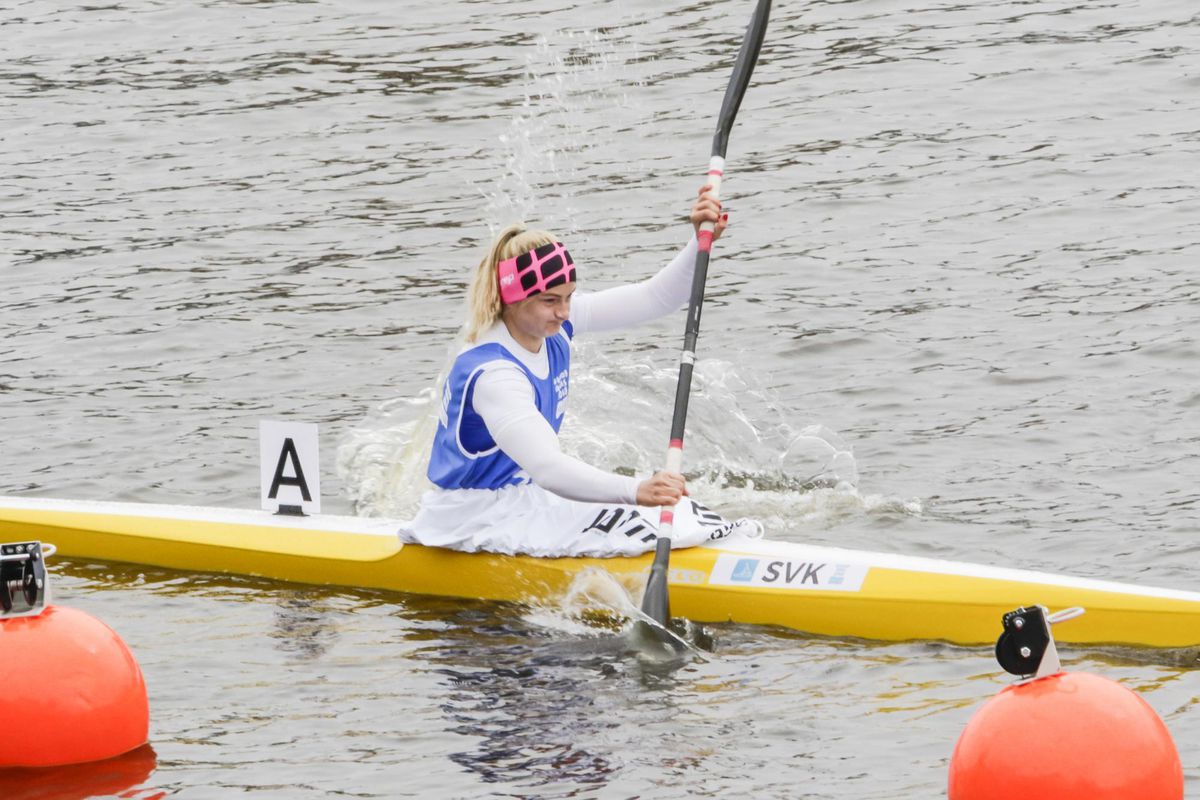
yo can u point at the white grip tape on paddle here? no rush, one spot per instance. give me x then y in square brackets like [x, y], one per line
[716, 172]
[674, 459]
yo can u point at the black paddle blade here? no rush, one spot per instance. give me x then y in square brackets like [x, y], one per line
[656, 602]
[740, 80]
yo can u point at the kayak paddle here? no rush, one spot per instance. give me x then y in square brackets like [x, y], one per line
[655, 602]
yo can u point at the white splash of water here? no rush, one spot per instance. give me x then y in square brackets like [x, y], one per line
[745, 454]
[743, 459]
[382, 462]
[596, 604]
[571, 77]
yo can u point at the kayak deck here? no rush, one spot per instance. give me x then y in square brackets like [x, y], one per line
[819, 590]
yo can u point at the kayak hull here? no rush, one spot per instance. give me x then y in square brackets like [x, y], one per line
[813, 589]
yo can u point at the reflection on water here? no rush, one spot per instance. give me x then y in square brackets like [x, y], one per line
[303, 625]
[529, 721]
[77, 781]
[535, 703]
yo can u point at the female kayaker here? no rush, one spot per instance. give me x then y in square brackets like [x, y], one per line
[503, 483]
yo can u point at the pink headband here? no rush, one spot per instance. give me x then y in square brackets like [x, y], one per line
[534, 272]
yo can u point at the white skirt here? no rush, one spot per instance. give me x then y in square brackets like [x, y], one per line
[529, 520]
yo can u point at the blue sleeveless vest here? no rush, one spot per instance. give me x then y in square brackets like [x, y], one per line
[464, 455]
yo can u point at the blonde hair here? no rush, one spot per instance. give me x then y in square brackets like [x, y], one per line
[483, 298]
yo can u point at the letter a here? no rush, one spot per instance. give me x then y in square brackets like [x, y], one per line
[289, 452]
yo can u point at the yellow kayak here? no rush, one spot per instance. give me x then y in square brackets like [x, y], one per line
[819, 590]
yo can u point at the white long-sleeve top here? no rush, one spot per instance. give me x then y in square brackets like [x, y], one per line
[504, 397]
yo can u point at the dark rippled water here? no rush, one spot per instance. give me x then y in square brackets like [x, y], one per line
[961, 278]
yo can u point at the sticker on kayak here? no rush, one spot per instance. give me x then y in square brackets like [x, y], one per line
[783, 573]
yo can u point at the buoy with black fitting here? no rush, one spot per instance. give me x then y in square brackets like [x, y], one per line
[73, 692]
[1055, 735]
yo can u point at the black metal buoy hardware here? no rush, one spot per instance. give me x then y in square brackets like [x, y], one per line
[23, 586]
[1026, 647]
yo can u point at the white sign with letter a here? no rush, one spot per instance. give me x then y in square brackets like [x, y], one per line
[290, 467]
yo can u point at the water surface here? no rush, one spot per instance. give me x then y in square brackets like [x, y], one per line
[960, 279]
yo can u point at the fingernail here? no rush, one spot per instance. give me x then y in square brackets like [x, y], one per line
[724, 217]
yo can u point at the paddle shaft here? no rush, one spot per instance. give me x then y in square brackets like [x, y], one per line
[691, 336]
[738, 82]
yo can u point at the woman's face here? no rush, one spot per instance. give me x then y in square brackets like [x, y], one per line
[534, 318]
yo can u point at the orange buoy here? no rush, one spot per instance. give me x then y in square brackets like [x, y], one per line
[73, 691]
[1069, 736]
